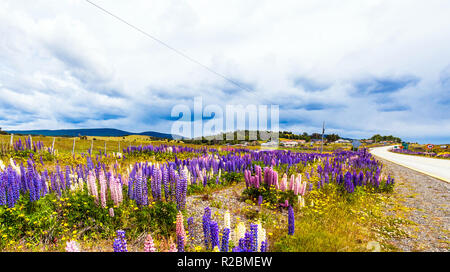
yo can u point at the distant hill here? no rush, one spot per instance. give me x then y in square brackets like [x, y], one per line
[158, 135]
[105, 132]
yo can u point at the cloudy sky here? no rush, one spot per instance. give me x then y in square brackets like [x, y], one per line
[363, 67]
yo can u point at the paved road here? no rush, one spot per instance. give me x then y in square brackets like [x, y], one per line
[438, 168]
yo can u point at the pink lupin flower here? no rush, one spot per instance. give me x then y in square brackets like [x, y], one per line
[125, 179]
[292, 183]
[113, 189]
[303, 188]
[180, 225]
[173, 247]
[111, 212]
[72, 246]
[283, 183]
[247, 176]
[92, 187]
[275, 180]
[119, 191]
[296, 187]
[253, 182]
[103, 188]
[149, 246]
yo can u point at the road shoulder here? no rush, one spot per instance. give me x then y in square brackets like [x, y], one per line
[422, 202]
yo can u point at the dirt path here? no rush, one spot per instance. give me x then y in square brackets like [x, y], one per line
[427, 208]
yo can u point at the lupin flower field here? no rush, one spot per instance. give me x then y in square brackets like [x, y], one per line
[147, 199]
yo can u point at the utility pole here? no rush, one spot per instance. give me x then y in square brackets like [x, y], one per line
[323, 131]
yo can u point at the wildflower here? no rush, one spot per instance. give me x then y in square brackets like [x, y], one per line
[92, 186]
[291, 221]
[254, 240]
[206, 225]
[180, 243]
[261, 235]
[225, 240]
[239, 232]
[227, 220]
[301, 201]
[190, 223]
[214, 230]
[117, 245]
[173, 247]
[72, 246]
[120, 244]
[180, 225]
[264, 246]
[149, 246]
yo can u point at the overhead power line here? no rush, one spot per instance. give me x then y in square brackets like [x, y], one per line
[168, 46]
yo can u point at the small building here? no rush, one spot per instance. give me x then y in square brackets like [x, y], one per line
[342, 141]
[289, 143]
[270, 144]
[316, 141]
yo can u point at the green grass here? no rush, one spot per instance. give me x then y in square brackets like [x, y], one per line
[334, 223]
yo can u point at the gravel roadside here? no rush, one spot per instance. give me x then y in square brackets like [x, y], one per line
[427, 203]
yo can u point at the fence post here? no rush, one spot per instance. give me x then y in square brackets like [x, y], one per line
[11, 142]
[118, 151]
[53, 145]
[92, 144]
[73, 148]
[105, 147]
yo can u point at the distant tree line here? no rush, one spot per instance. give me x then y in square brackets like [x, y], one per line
[378, 138]
[305, 136]
[282, 134]
[3, 132]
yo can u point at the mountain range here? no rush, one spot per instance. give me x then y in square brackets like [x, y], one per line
[105, 132]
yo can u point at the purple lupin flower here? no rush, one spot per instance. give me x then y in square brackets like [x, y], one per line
[264, 246]
[254, 233]
[190, 223]
[181, 190]
[348, 183]
[291, 221]
[117, 245]
[225, 240]
[248, 242]
[260, 200]
[120, 243]
[206, 225]
[214, 230]
[180, 243]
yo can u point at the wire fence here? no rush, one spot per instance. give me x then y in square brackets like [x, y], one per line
[73, 144]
